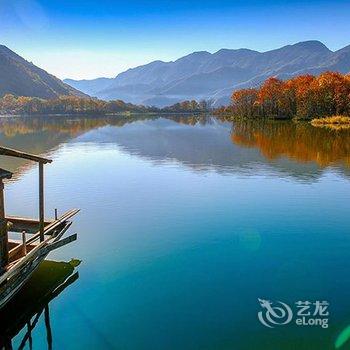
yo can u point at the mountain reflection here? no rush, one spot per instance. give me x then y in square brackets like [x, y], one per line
[43, 135]
[201, 143]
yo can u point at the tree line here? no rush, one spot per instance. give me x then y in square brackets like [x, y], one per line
[302, 97]
[10, 104]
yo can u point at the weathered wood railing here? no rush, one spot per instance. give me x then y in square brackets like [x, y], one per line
[48, 230]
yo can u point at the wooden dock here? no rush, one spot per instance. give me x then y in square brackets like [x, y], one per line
[37, 237]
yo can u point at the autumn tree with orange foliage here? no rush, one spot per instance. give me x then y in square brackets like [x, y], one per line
[246, 101]
[303, 97]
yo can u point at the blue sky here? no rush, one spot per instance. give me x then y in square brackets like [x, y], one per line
[88, 39]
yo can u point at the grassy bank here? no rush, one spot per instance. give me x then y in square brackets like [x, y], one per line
[336, 122]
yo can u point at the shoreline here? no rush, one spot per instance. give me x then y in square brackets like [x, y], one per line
[90, 114]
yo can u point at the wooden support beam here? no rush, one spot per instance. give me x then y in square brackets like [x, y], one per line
[41, 202]
[4, 256]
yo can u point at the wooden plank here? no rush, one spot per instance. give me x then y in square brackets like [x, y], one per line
[62, 242]
[49, 228]
[25, 221]
[14, 251]
[19, 154]
[19, 224]
[39, 251]
[15, 267]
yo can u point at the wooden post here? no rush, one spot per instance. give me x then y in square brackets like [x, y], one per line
[4, 254]
[24, 243]
[41, 201]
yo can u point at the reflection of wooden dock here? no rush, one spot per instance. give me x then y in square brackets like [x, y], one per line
[26, 308]
[19, 258]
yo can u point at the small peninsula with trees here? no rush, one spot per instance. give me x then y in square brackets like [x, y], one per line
[305, 97]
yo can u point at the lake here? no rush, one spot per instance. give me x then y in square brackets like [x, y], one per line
[186, 222]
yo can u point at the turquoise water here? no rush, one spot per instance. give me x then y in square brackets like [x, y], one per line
[182, 229]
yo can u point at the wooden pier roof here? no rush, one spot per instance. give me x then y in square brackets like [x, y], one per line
[4, 151]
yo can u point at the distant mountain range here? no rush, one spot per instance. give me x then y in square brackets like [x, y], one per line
[22, 78]
[202, 75]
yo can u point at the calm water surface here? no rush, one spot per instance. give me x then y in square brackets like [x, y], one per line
[185, 223]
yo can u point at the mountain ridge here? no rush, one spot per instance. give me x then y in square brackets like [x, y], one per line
[213, 76]
[22, 78]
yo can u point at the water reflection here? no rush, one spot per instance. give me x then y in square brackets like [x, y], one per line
[202, 143]
[226, 240]
[299, 141]
[23, 312]
[43, 135]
